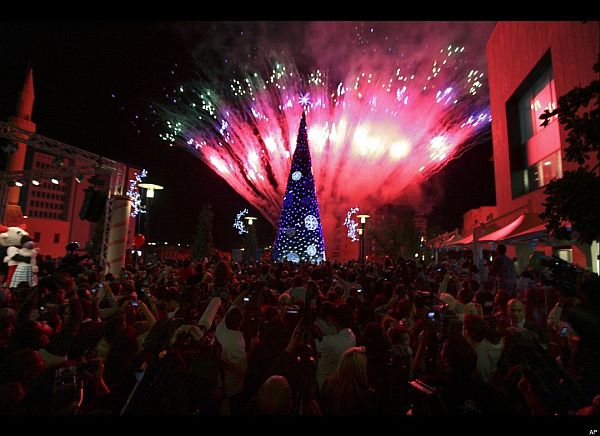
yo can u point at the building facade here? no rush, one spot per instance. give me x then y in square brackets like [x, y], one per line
[530, 65]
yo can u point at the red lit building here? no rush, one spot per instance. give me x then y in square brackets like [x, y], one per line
[530, 65]
[50, 210]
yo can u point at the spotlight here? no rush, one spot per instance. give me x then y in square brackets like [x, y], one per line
[55, 181]
[19, 183]
[79, 178]
[72, 246]
[35, 182]
[10, 147]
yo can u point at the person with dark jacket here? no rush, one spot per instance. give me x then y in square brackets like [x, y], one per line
[503, 269]
[462, 392]
[516, 314]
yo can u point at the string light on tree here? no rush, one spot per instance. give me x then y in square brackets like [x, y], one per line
[239, 223]
[351, 224]
[299, 234]
[134, 193]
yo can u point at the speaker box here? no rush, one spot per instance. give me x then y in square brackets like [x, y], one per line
[93, 205]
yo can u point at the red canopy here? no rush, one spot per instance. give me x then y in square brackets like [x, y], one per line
[523, 227]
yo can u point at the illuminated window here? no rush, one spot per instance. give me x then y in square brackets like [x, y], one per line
[545, 170]
[534, 150]
[542, 101]
[565, 254]
[541, 95]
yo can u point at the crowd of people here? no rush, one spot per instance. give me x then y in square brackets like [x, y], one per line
[396, 338]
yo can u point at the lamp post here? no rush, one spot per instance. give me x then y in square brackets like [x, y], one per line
[250, 246]
[150, 188]
[361, 232]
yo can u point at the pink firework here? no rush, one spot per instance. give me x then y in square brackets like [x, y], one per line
[371, 136]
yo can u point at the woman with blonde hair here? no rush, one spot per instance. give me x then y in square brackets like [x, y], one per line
[347, 391]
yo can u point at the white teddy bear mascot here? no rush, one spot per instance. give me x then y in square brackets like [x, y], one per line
[10, 237]
[27, 267]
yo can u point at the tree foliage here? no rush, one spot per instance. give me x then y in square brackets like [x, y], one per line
[203, 241]
[573, 199]
[396, 235]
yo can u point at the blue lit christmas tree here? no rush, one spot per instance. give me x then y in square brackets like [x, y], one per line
[300, 235]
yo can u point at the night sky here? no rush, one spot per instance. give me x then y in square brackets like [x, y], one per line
[95, 82]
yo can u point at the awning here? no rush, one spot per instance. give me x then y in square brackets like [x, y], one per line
[443, 240]
[450, 240]
[525, 227]
[537, 232]
[469, 239]
[464, 241]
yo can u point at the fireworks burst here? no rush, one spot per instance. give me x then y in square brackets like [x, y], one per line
[371, 136]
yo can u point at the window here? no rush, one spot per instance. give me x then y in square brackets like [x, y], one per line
[535, 150]
[542, 172]
[542, 101]
[534, 102]
[565, 254]
[56, 238]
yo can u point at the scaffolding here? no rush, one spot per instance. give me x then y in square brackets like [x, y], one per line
[85, 163]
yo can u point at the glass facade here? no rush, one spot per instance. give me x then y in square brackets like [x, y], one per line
[540, 173]
[538, 149]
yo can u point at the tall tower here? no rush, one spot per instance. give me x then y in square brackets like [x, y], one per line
[300, 234]
[16, 160]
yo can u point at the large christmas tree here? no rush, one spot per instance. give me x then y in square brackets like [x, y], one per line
[300, 235]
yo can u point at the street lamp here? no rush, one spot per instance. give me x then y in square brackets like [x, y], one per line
[150, 188]
[361, 232]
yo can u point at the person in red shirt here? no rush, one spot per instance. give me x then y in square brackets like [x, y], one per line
[186, 272]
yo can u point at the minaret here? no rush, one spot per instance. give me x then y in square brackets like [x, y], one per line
[25, 103]
[16, 161]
